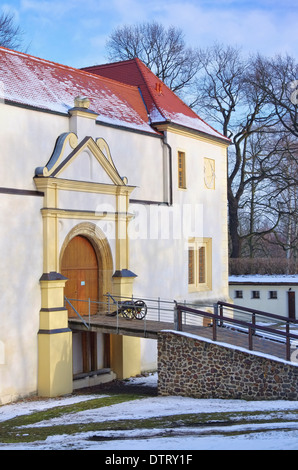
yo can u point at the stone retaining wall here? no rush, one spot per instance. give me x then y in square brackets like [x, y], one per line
[193, 367]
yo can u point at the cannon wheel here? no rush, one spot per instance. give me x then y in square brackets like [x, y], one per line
[128, 310]
[140, 309]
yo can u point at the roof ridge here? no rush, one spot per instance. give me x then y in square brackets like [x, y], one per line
[110, 64]
[138, 62]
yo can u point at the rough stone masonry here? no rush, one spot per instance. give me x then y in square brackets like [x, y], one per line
[193, 367]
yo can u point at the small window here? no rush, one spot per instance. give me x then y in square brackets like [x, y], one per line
[181, 171]
[238, 294]
[202, 265]
[191, 265]
[255, 294]
[199, 264]
[273, 294]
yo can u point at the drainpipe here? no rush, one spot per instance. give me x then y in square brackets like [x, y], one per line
[170, 202]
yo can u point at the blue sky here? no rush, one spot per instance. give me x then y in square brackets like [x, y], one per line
[74, 32]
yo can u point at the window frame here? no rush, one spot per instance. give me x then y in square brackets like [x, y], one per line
[272, 295]
[181, 167]
[238, 294]
[255, 294]
[200, 268]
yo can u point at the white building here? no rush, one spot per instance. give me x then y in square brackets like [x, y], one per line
[104, 187]
[271, 294]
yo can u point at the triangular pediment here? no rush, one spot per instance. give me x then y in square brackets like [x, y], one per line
[88, 160]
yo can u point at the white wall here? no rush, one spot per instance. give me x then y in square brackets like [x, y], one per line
[139, 157]
[277, 306]
[27, 141]
[21, 268]
[159, 248]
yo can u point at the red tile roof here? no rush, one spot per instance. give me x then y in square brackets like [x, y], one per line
[162, 104]
[113, 90]
[32, 81]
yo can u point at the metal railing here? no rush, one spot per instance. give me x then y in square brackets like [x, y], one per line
[158, 310]
[178, 315]
[279, 330]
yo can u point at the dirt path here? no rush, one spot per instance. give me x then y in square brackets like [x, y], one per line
[120, 386]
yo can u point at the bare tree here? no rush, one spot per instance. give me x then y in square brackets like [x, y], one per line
[255, 103]
[233, 100]
[219, 87]
[278, 78]
[11, 35]
[269, 206]
[162, 50]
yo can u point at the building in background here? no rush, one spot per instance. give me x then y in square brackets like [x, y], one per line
[271, 294]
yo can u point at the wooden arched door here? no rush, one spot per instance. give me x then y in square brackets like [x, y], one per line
[80, 265]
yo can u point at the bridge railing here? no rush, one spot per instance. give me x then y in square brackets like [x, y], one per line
[177, 315]
[224, 315]
[158, 310]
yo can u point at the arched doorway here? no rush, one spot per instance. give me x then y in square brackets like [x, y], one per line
[86, 262]
[81, 267]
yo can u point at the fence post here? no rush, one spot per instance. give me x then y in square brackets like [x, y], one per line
[214, 330]
[177, 318]
[221, 315]
[215, 309]
[158, 307]
[288, 353]
[250, 333]
[253, 320]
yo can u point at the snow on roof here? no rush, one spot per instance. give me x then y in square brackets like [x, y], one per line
[46, 85]
[264, 279]
[162, 104]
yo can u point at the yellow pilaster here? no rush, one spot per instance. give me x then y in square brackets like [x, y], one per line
[55, 376]
[54, 339]
[122, 240]
[125, 350]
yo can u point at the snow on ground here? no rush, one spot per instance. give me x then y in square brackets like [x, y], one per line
[194, 438]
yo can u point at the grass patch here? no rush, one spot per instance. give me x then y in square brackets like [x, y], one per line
[12, 431]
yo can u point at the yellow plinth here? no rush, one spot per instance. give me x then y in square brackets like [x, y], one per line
[55, 364]
[125, 356]
[125, 350]
[55, 376]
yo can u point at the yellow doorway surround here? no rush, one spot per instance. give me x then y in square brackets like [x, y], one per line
[55, 376]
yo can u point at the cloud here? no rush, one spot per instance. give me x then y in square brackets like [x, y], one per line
[68, 31]
[45, 7]
[268, 26]
[8, 8]
[252, 25]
